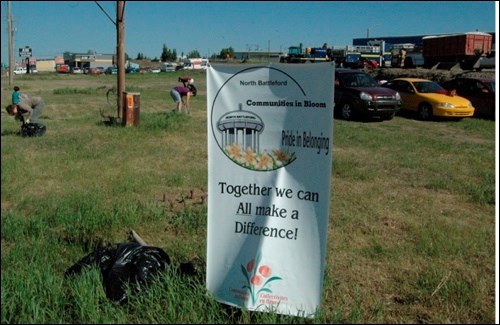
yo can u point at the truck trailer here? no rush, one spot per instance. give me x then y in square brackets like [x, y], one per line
[464, 48]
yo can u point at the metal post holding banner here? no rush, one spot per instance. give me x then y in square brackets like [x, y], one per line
[131, 109]
[270, 130]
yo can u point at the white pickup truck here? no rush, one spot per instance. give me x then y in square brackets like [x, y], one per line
[20, 70]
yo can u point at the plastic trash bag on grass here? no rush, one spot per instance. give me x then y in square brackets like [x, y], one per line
[33, 130]
[127, 263]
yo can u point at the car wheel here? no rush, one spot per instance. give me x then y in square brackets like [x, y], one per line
[346, 111]
[425, 112]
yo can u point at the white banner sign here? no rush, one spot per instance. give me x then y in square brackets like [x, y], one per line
[270, 133]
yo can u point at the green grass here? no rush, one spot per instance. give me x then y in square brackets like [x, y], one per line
[412, 214]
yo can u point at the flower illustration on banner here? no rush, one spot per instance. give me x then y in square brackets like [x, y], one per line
[253, 160]
[258, 277]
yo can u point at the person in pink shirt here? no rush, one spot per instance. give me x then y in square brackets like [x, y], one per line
[179, 93]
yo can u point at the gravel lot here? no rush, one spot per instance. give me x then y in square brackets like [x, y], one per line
[431, 74]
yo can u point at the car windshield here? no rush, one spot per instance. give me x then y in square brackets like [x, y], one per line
[358, 80]
[428, 87]
[491, 85]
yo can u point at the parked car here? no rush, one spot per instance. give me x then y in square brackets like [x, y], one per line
[20, 70]
[429, 99]
[480, 91]
[168, 67]
[94, 71]
[155, 70]
[63, 68]
[111, 70]
[131, 69]
[357, 94]
[76, 70]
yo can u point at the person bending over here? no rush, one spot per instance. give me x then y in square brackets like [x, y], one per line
[28, 109]
[179, 93]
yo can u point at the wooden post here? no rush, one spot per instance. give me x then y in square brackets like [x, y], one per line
[131, 109]
[120, 53]
[11, 45]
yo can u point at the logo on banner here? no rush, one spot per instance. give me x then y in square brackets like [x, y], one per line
[258, 278]
[241, 130]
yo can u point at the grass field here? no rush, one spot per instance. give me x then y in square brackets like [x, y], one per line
[411, 231]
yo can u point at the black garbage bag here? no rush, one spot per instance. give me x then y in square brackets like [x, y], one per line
[126, 264]
[33, 129]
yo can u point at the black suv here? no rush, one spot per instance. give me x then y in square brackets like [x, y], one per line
[358, 95]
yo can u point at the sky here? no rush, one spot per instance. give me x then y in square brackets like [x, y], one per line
[51, 28]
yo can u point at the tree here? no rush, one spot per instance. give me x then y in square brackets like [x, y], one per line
[226, 53]
[167, 54]
[164, 53]
[194, 54]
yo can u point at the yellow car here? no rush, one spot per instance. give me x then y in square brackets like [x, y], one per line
[429, 99]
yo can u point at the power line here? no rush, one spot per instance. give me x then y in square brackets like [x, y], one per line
[107, 15]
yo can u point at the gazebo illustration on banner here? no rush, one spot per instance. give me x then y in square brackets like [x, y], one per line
[241, 128]
[240, 131]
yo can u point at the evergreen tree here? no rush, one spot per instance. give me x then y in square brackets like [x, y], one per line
[194, 54]
[167, 54]
[164, 53]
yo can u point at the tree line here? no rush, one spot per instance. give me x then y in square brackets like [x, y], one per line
[170, 55]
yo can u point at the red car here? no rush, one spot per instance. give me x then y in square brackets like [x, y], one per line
[480, 91]
[358, 95]
[94, 71]
[63, 68]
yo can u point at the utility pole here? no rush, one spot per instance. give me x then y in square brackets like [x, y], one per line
[11, 45]
[120, 53]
